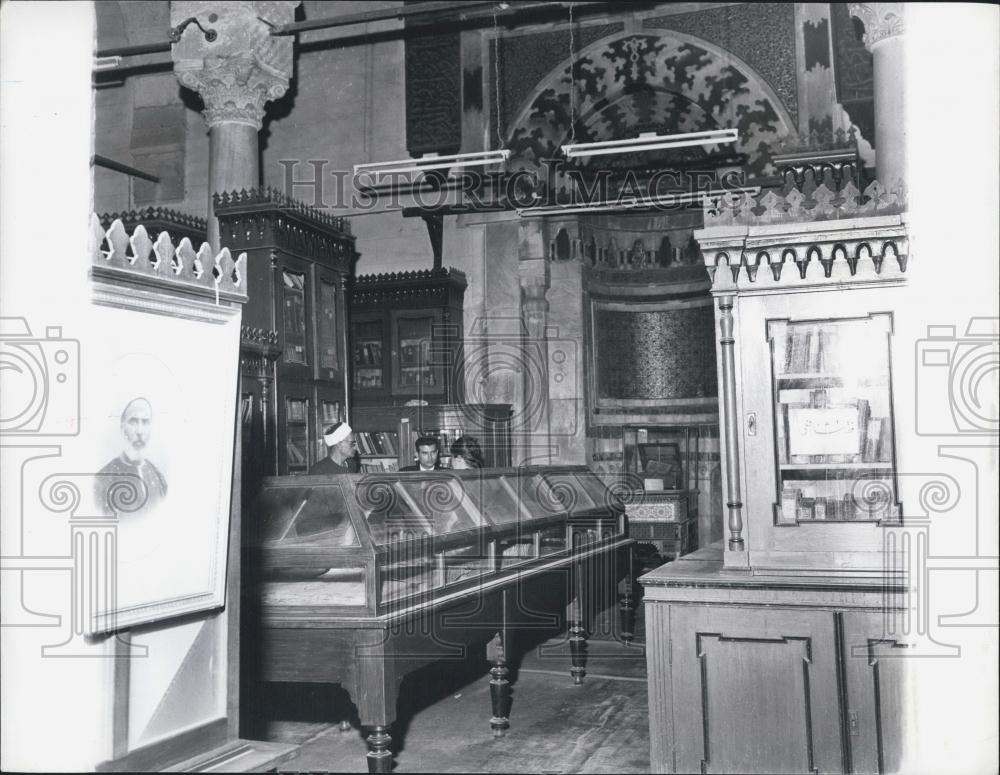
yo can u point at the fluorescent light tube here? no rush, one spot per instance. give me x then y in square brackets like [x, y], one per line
[650, 141]
[433, 161]
[634, 203]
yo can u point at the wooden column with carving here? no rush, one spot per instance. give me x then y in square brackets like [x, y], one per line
[734, 503]
[228, 55]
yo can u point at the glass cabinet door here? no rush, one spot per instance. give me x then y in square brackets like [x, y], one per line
[414, 372]
[833, 420]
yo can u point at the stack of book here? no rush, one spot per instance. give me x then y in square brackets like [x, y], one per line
[384, 443]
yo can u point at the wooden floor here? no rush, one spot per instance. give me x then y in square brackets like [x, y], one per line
[443, 725]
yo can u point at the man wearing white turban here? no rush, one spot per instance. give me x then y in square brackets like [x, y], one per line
[341, 451]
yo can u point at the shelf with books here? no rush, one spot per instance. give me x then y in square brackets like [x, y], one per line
[832, 415]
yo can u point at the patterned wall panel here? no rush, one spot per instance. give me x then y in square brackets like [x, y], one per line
[638, 82]
[854, 71]
[661, 354]
[761, 34]
[433, 94]
[526, 59]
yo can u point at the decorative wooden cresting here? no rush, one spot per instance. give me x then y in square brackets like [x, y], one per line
[832, 240]
[153, 270]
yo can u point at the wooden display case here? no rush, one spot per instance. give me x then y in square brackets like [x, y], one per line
[363, 579]
[406, 337]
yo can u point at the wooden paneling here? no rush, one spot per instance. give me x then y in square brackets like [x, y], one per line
[752, 691]
[874, 673]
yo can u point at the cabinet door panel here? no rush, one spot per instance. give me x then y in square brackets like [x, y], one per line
[818, 458]
[874, 671]
[755, 691]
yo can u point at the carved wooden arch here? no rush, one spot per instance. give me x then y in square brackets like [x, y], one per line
[630, 82]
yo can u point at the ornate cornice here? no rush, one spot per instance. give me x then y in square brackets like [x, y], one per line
[444, 286]
[243, 67]
[881, 20]
[821, 204]
[265, 218]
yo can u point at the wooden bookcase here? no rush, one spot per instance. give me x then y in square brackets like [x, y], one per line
[406, 337]
[402, 425]
[294, 343]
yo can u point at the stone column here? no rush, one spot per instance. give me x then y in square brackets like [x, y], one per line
[236, 73]
[884, 38]
[534, 279]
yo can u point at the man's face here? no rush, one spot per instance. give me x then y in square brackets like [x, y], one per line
[427, 455]
[347, 447]
[136, 426]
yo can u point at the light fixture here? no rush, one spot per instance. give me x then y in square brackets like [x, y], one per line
[650, 141]
[664, 201]
[433, 161]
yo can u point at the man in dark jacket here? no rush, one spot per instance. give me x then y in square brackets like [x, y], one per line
[427, 455]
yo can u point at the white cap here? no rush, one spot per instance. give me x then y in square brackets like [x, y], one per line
[336, 433]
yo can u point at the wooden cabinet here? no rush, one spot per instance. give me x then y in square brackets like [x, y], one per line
[779, 649]
[806, 352]
[661, 472]
[778, 674]
[294, 340]
[406, 337]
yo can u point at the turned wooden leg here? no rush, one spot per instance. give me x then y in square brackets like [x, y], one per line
[499, 687]
[379, 755]
[578, 629]
[578, 651]
[627, 601]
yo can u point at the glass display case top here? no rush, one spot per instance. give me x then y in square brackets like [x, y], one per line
[315, 515]
[415, 506]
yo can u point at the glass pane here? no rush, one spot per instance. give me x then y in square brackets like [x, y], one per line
[294, 318]
[296, 434]
[443, 498]
[564, 494]
[368, 355]
[599, 494]
[516, 548]
[552, 540]
[497, 502]
[327, 325]
[316, 515]
[336, 587]
[533, 494]
[414, 336]
[406, 577]
[392, 515]
[833, 420]
[465, 563]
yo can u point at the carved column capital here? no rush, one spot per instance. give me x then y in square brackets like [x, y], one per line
[243, 67]
[881, 20]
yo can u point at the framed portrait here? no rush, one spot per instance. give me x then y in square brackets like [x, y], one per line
[162, 420]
